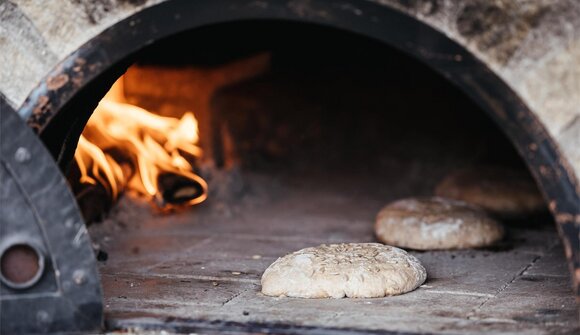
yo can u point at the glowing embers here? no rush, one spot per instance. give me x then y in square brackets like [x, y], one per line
[125, 148]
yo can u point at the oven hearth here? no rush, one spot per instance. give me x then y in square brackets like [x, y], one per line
[185, 271]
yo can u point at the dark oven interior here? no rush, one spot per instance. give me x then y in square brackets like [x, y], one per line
[306, 132]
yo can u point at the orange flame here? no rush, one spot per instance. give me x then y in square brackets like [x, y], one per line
[150, 145]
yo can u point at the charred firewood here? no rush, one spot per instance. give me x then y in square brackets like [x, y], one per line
[94, 201]
[178, 190]
[125, 159]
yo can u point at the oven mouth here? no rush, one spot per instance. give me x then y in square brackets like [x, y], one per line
[340, 83]
[304, 150]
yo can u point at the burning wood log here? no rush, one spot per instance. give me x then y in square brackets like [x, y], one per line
[178, 190]
[175, 191]
[125, 159]
[125, 148]
[94, 200]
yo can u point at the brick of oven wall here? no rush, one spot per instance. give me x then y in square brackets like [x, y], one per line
[36, 34]
[533, 45]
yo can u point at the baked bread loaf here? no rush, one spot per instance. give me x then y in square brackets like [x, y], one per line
[436, 223]
[502, 191]
[354, 270]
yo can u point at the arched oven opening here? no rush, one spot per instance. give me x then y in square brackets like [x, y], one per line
[199, 156]
[304, 133]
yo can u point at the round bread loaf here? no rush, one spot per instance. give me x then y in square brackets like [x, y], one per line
[436, 223]
[354, 270]
[501, 191]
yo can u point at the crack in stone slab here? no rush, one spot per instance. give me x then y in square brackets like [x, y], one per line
[504, 287]
[233, 297]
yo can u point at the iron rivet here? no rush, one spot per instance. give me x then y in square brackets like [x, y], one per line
[22, 155]
[42, 317]
[69, 223]
[79, 277]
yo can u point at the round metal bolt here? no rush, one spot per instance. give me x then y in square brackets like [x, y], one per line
[21, 265]
[42, 317]
[22, 155]
[69, 223]
[79, 277]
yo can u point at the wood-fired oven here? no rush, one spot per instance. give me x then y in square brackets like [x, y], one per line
[275, 126]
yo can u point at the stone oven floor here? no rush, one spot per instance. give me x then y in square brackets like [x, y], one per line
[199, 270]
